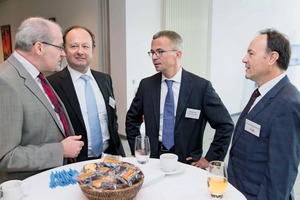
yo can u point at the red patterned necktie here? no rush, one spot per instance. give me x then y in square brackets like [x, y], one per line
[57, 106]
[254, 95]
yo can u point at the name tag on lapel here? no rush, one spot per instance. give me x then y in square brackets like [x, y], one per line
[112, 102]
[252, 127]
[192, 113]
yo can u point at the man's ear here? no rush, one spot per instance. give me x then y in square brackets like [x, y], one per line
[37, 48]
[179, 54]
[273, 57]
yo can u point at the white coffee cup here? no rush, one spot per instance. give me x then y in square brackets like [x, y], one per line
[168, 162]
[11, 190]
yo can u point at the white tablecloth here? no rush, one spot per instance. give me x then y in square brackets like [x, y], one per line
[190, 183]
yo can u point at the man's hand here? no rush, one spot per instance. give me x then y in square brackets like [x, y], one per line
[72, 146]
[201, 163]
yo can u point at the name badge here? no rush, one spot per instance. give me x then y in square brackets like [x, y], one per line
[192, 113]
[112, 102]
[252, 127]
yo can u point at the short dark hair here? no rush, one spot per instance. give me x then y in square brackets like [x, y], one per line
[174, 37]
[80, 27]
[278, 42]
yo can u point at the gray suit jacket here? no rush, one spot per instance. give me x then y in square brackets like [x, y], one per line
[30, 132]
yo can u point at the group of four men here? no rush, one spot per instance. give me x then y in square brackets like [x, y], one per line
[47, 123]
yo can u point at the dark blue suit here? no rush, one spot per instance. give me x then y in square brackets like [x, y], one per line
[63, 85]
[266, 167]
[195, 93]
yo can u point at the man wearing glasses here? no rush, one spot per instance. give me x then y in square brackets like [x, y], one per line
[175, 105]
[36, 133]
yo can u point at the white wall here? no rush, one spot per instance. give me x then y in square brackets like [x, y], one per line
[141, 25]
[132, 23]
[234, 24]
[191, 19]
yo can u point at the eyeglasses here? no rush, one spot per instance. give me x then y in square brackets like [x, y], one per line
[61, 48]
[159, 53]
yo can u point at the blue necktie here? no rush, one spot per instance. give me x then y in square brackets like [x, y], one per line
[169, 119]
[93, 117]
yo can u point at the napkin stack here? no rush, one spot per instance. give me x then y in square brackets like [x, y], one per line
[63, 178]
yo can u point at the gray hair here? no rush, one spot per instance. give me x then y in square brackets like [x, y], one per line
[175, 38]
[32, 30]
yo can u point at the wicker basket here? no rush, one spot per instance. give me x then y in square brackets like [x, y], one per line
[119, 194]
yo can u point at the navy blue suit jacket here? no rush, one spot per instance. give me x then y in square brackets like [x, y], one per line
[63, 86]
[266, 167]
[195, 93]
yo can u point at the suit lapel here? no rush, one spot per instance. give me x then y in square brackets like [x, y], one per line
[262, 104]
[101, 84]
[31, 84]
[67, 86]
[266, 100]
[106, 93]
[155, 95]
[185, 91]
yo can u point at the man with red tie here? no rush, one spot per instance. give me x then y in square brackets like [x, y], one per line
[36, 133]
[264, 155]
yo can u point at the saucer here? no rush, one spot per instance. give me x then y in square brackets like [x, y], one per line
[180, 169]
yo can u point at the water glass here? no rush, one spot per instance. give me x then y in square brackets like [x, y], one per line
[142, 149]
[217, 179]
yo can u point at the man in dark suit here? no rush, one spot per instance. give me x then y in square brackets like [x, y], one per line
[33, 136]
[195, 103]
[69, 85]
[265, 152]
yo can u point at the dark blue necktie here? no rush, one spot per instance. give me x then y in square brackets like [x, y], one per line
[93, 117]
[169, 119]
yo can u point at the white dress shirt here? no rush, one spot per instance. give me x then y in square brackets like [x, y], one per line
[79, 88]
[265, 88]
[163, 93]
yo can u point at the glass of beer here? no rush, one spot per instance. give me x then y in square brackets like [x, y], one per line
[217, 179]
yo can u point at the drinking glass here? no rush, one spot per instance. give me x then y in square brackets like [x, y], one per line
[142, 149]
[217, 179]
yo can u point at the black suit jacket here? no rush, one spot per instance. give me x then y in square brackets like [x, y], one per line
[195, 93]
[63, 85]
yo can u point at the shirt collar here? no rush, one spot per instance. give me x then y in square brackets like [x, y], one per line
[265, 88]
[176, 78]
[32, 70]
[76, 74]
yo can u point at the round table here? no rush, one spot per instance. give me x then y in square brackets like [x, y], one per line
[187, 182]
